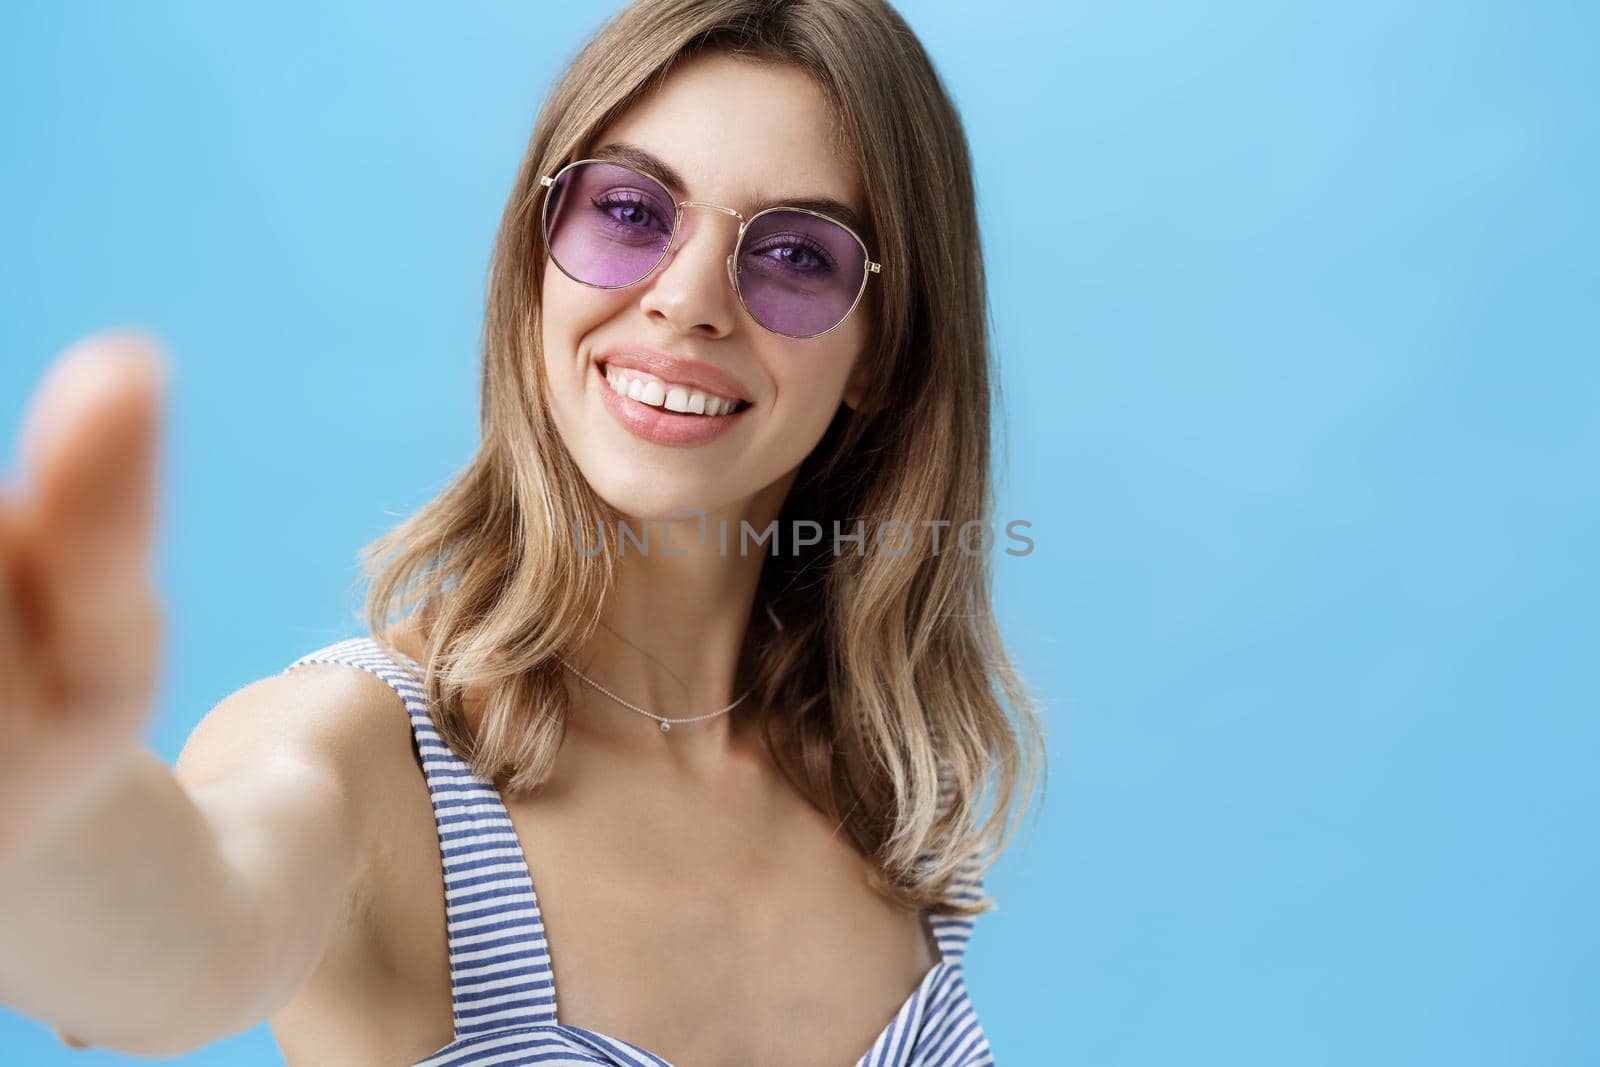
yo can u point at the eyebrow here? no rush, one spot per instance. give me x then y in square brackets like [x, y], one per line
[642, 159]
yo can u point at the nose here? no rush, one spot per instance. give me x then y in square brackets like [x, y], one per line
[687, 293]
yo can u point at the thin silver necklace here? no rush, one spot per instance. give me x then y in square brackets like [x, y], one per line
[666, 723]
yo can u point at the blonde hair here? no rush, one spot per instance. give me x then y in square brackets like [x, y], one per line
[882, 678]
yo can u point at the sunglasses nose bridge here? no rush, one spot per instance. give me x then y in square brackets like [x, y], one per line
[678, 226]
[678, 221]
[713, 207]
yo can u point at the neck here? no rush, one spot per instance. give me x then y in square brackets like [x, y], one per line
[671, 633]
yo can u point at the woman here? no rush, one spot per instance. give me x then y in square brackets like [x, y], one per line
[690, 645]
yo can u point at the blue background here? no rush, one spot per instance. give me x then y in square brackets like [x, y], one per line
[1296, 311]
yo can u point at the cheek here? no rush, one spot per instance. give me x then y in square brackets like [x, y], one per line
[822, 367]
[568, 311]
[565, 305]
[809, 380]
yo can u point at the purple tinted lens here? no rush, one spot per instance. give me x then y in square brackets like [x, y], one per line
[607, 225]
[799, 274]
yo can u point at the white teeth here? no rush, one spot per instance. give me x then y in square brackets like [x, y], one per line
[672, 397]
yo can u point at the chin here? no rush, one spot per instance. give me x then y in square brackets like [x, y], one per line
[643, 499]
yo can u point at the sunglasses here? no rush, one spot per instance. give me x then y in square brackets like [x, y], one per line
[797, 272]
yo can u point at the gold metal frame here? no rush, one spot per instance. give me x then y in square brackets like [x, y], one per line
[548, 181]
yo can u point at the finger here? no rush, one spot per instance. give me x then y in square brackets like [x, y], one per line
[91, 456]
[12, 637]
[71, 1041]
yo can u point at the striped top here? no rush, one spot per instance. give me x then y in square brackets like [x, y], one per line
[503, 995]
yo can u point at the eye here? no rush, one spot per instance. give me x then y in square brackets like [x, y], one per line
[629, 212]
[795, 253]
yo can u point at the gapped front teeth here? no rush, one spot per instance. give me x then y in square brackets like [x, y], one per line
[672, 397]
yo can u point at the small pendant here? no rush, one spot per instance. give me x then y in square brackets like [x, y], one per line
[665, 727]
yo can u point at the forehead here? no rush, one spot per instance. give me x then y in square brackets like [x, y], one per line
[740, 133]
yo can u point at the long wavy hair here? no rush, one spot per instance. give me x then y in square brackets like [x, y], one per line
[881, 676]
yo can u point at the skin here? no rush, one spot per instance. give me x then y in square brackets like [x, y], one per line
[735, 132]
[694, 903]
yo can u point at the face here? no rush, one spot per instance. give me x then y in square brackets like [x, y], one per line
[738, 135]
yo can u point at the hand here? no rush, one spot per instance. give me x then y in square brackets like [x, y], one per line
[80, 625]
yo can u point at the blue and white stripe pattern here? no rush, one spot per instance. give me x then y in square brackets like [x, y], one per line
[502, 985]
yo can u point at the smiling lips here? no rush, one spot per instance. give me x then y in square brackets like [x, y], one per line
[685, 399]
[664, 412]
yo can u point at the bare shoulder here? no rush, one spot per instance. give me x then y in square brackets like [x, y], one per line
[300, 774]
[336, 725]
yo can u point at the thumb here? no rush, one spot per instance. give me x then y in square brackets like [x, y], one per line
[89, 459]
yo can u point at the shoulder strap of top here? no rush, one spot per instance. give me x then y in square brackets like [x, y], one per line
[953, 932]
[499, 962]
